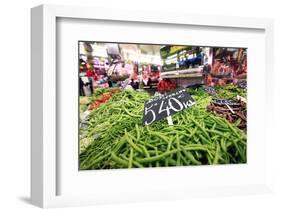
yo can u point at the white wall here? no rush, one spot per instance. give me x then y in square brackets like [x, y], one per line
[15, 98]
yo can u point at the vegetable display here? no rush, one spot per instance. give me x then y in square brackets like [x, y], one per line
[102, 99]
[234, 114]
[113, 136]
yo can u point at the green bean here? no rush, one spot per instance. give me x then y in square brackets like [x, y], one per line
[195, 147]
[163, 137]
[202, 129]
[184, 159]
[219, 121]
[239, 151]
[191, 157]
[150, 145]
[209, 158]
[129, 113]
[156, 158]
[204, 139]
[167, 161]
[119, 160]
[172, 162]
[138, 132]
[169, 144]
[132, 144]
[131, 158]
[214, 126]
[217, 154]
[156, 154]
[234, 130]
[135, 163]
[179, 150]
[216, 132]
[146, 153]
[90, 163]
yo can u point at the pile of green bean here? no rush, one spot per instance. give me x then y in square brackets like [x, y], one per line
[119, 140]
[107, 123]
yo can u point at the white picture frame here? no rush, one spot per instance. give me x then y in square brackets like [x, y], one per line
[44, 153]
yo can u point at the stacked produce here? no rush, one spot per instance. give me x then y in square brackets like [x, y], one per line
[166, 85]
[234, 114]
[103, 98]
[114, 137]
[107, 123]
[100, 96]
[236, 111]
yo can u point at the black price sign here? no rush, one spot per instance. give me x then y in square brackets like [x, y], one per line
[226, 102]
[210, 90]
[242, 84]
[166, 105]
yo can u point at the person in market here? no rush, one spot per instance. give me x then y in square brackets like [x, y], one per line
[146, 79]
[88, 74]
[81, 89]
[109, 80]
[134, 84]
[92, 76]
[206, 71]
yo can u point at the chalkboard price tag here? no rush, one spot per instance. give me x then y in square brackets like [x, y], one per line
[226, 102]
[162, 106]
[242, 84]
[210, 90]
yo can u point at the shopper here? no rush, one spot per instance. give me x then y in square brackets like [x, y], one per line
[109, 80]
[90, 73]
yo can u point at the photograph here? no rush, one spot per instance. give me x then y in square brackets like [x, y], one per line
[161, 105]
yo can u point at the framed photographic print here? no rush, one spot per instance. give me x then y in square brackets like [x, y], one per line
[148, 106]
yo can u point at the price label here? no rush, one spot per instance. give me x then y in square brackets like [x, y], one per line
[166, 105]
[226, 102]
[242, 84]
[210, 90]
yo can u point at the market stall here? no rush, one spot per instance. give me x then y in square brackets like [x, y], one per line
[213, 130]
[113, 136]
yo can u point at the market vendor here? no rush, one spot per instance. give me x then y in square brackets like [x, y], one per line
[146, 79]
